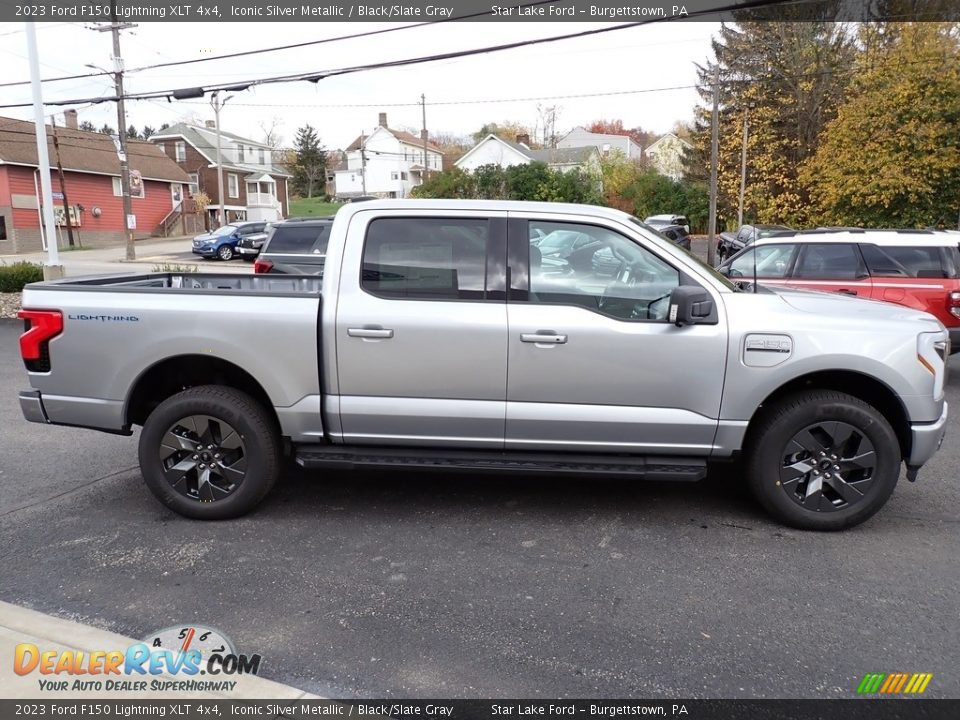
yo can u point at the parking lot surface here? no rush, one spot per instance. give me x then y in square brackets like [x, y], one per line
[457, 585]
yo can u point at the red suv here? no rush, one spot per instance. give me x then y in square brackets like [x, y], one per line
[919, 269]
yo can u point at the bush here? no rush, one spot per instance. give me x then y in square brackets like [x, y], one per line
[14, 277]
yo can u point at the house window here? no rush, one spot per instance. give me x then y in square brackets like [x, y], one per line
[181, 152]
[194, 186]
[163, 148]
[263, 157]
[240, 155]
[403, 176]
[233, 185]
[117, 187]
[394, 176]
[3, 228]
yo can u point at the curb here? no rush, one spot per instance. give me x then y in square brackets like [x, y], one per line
[48, 632]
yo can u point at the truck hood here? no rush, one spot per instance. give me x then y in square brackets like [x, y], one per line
[828, 305]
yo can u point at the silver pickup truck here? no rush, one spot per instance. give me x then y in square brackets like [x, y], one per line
[441, 337]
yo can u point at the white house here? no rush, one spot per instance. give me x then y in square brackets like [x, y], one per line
[386, 163]
[493, 150]
[580, 137]
[666, 155]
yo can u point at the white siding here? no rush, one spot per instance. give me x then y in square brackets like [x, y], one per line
[491, 152]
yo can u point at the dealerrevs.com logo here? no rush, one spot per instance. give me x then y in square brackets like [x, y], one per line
[190, 658]
[894, 683]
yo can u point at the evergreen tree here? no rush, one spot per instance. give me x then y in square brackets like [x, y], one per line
[790, 78]
[310, 162]
[107, 130]
[147, 132]
[132, 133]
[88, 126]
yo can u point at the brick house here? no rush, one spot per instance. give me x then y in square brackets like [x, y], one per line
[91, 170]
[254, 187]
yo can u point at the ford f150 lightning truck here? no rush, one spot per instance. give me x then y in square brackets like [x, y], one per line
[439, 336]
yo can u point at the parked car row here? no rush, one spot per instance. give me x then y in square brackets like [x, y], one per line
[224, 243]
[919, 269]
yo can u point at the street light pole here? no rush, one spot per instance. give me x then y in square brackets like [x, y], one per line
[714, 153]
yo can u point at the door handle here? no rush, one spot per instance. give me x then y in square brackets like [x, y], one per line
[370, 333]
[546, 338]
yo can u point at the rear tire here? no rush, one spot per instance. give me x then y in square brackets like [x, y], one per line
[822, 460]
[210, 453]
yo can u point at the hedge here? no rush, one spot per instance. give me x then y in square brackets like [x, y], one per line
[14, 277]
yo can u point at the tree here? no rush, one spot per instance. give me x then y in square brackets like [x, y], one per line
[310, 164]
[164, 126]
[147, 132]
[132, 133]
[789, 79]
[271, 132]
[892, 156]
[88, 126]
[508, 130]
[107, 130]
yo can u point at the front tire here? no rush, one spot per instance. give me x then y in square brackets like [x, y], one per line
[822, 460]
[210, 453]
[225, 252]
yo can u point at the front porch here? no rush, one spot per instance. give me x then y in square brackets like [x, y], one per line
[262, 201]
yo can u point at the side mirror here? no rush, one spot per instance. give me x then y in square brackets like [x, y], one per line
[688, 304]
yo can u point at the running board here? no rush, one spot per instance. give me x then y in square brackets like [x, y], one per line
[339, 457]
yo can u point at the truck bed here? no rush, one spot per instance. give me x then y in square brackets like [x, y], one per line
[191, 282]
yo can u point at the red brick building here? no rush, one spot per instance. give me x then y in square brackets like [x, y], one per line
[91, 183]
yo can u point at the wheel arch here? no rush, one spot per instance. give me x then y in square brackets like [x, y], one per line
[864, 387]
[171, 375]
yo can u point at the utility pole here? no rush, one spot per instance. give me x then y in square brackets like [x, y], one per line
[53, 268]
[63, 182]
[363, 164]
[743, 167]
[129, 220]
[217, 105]
[423, 108]
[714, 152]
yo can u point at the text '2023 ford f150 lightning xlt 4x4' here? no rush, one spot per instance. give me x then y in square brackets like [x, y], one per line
[440, 337]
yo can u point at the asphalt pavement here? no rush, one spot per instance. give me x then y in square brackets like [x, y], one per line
[456, 585]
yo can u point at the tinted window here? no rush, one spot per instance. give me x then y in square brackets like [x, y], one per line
[836, 261]
[905, 261]
[298, 239]
[773, 261]
[426, 258]
[607, 273]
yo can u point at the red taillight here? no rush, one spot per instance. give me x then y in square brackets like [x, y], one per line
[953, 303]
[44, 325]
[262, 266]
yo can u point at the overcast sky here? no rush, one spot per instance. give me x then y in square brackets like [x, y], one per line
[661, 55]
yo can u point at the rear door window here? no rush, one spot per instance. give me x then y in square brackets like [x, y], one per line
[833, 261]
[426, 258]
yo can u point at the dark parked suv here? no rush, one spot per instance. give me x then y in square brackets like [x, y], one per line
[296, 246]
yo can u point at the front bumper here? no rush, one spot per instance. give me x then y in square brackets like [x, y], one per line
[205, 251]
[926, 439]
[248, 250]
[32, 406]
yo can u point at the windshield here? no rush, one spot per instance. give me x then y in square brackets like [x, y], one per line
[225, 230]
[710, 270]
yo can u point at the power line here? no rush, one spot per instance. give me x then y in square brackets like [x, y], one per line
[278, 48]
[316, 76]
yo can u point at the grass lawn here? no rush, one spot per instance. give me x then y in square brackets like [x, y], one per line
[312, 207]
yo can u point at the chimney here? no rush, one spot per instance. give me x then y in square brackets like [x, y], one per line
[70, 119]
[210, 124]
[383, 120]
[523, 139]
